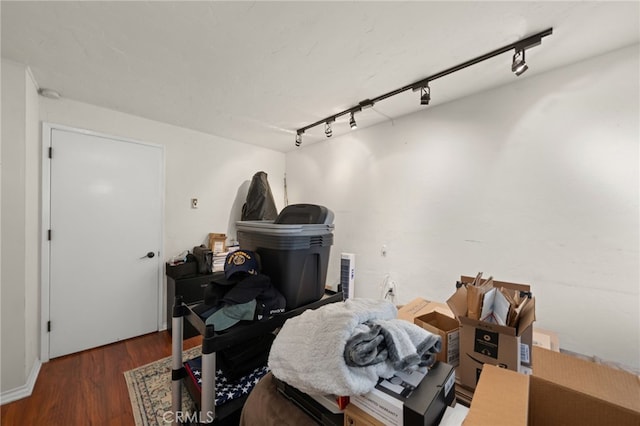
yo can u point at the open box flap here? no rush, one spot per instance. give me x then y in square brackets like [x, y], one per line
[527, 316]
[500, 399]
[458, 302]
[439, 320]
[615, 386]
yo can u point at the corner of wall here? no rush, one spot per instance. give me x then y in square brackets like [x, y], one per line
[33, 185]
[24, 390]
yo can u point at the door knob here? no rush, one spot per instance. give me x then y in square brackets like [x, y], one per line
[149, 255]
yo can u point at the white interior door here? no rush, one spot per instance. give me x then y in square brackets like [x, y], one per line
[105, 217]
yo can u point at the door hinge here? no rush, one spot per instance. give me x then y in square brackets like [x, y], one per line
[50, 152]
[49, 234]
[48, 326]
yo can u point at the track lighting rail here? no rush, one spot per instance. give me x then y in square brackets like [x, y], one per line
[519, 46]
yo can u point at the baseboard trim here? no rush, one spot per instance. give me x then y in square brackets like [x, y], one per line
[24, 390]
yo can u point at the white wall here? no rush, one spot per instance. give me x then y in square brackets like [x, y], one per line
[217, 171]
[20, 242]
[534, 182]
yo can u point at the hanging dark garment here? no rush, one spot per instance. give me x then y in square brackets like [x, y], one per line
[260, 204]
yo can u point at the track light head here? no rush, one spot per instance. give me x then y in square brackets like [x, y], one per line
[299, 138]
[518, 64]
[425, 95]
[327, 129]
[352, 122]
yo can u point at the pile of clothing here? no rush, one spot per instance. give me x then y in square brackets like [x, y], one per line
[240, 293]
[345, 348]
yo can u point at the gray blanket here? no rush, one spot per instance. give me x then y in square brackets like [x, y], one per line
[402, 344]
[309, 351]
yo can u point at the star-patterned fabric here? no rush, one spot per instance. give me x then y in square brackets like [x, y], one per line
[226, 390]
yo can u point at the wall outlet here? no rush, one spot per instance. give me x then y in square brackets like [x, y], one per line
[389, 289]
[194, 203]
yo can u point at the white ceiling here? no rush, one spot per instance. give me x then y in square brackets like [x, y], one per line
[257, 71]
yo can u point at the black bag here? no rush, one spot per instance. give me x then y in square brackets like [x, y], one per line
[260, 204]
[204, 257]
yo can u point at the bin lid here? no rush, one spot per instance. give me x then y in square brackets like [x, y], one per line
[271, 228]
[304, 214]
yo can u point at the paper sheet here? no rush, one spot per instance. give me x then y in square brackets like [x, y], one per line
[454, 416]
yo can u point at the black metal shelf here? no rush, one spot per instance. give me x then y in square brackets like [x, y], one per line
[215, 341]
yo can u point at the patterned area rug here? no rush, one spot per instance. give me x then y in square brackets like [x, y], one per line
[150, 390]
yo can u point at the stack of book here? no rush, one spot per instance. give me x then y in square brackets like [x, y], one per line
[218, 261]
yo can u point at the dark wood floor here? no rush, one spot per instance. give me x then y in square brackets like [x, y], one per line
[88, 388]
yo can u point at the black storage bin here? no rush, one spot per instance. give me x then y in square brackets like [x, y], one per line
[295, 257]
[299, 273]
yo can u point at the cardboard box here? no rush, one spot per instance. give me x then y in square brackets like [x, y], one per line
[217, 242]
[487, 343]
[563, 390]
[446, 327]
[546, 339]
[354, 416]
[424, 405]
[420, 306]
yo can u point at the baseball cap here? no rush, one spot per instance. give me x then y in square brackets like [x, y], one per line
[219, 279]
[253, 298]
[241, 261]
[257, 287]
[229, 315]
[270, 302]
[248, 288]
